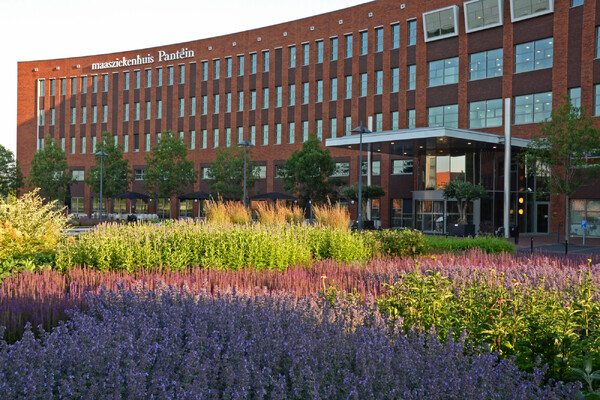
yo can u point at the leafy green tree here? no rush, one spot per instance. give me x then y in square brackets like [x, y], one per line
[11, 177]
[117, 176]
[308, 172]
[368, 192]
[50, 171]
[168, 171]
[227, 173]
[464, 192]
[560, 152]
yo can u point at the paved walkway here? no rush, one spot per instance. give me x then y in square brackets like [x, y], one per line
[551, 245]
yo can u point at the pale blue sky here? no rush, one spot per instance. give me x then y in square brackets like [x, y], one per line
[42, 29]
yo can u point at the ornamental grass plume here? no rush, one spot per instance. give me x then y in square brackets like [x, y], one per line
[216, 212]
[334, 216]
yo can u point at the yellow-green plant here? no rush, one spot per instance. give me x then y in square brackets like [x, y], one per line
[216, 212]
[238, 213]
[334, 216]
[29, 226]
[269, 214]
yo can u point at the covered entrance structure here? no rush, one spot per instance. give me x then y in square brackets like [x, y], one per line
[416, 164]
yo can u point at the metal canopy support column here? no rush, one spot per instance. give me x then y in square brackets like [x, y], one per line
[507, 172]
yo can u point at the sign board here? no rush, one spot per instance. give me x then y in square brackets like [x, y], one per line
[583, 224]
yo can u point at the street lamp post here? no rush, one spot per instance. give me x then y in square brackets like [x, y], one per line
[360, 129]
[101, 154]
[245, 144]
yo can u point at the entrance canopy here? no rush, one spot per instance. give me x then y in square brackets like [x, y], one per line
[409, 141]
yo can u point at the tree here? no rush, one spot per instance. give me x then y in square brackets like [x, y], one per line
[464, 192]
[168, 171]
[561, 151]
[117, 176]
[368, 192]
[50, 171]
[11, 177]
[227, 173]
[308, 172]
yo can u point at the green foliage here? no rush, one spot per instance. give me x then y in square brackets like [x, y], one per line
[308, 172]
[168, 171]
[227, 173]
[402, 243]
[560, 328]
[50, 171]
[489, 244]
[181, 244]
[29, 231]
[11, 177]
[464, 192]
[117, 176]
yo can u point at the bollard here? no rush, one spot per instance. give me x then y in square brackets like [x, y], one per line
[532, 246]
[566, 247]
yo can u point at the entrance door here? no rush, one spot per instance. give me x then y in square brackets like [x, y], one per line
[542, 217]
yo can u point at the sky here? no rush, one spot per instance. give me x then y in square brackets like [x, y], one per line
[42, 29]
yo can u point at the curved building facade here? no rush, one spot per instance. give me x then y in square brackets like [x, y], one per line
[441, 84]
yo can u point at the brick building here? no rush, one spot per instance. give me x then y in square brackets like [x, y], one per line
[441, 84]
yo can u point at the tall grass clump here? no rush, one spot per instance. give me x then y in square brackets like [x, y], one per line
[334, 216]
[269, 214]
[30, 230]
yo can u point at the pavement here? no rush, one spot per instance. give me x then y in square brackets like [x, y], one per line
[555, 245]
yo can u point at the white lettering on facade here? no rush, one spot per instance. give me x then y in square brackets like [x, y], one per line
[149, 59]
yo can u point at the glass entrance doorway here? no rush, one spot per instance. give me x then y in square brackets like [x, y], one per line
[542, 216]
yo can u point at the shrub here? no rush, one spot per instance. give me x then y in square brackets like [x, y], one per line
[334, 216]
[489, 244]
[403, 243]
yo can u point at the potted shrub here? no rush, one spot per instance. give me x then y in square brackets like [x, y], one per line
[464, 192]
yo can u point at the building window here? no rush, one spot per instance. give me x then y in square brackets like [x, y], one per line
[240, 134]
[333, 89]
[266, 61]
[265, 98]
[204, 70]
[136, 142]
[83, 143]
[216, 103]
[227, 102]
[192, 106]
[77, 175]
[73, 86]
[305, 54]
[483, 14]
[170, 75]
[228, 67]
[378, 122]
[148, 78]
[319, 129]
[533, 108]
[181, 74]
[147, 143]
[215, 138]
[41, 117]
[253, 63]
[104, 83]
[443, 116]
[412, 32]
[597, 100]
[53, 116]
[52, 87]
[304, 131]
[265, 135]
[334, 49]
[575, 96]
[73, 115]
[227, 137]
[126, 112]
[395, 80]
[412, 77]
[240, 101]
[402, 167]
[261, 172]
[292, 99]
[159, 77]
[181, 107]
[375, 168]
[523, 9]
[378, 82]
[94, 139]
[63, 86]
[485, 114]
[533, 55]
[319, 91]
[94, 114]
[204, 138]
[104, 113]
[443, 72]
[292, 55]
[241, 65]
[253, 99]
[342, 169]
[395, 36]
[125, 81]
[125, 143]
[348, 46]
[441, 23]
[394, 120]
[137, 79]
[333, 127]
[348, 87]
[277, 133]
[598, 42]
[84, 84]
[291, 132]
[83, 114]
[378, 40]
[217, 69]
[576, 3]
[347, 126]
[278, 96]
[364, 43]
[158, 109]
[319, 51]
[253, 134]
[206, 173]
[363, 84]
[486, 64]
